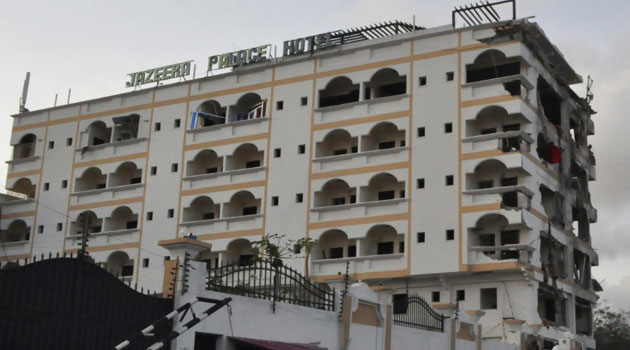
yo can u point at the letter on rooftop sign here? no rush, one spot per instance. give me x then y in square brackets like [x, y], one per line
[238, 58]
[158, 74]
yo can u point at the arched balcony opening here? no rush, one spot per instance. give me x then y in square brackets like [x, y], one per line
[91, 179]
[241, 204]
[248, 106]
[338, 91]
[386, 82]
[209, 113]
[500, 126]
[98, 133]
[86, 222]
[125, 127]
[335, 192]
[382, 240]
[205, 162]
[25, 148]
[492, 64]
[491, 234]
[245, 156]
[202, 208]
[335, 143]
[488, 121]
[119, 264]
[489, 174]
[239, 251]
[24, 187]
[126, 174]
[334, 244]
[383, 186]
[122, 219]
[383, 136]
[17, 231]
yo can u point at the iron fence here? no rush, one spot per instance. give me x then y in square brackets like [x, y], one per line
[264, 279]
[415, 312]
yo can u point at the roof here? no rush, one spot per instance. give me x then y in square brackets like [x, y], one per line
[258, 344]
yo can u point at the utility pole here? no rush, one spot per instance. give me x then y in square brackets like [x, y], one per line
[84, 239]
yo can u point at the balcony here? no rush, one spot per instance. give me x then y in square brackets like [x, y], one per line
[381, 249]
[521, 253]
[99, 141]
[362, 159]
[107, 194]
[236, 223]
[104, 238]
[356, 210]
[365, 108]
[93, 186]
[111, 149]
[512, 85]
[509, 141]
[493, 74]
[16, 238]
[213, 122]
[509, 197]
[242, 212]
[497, 237]
[17, 205]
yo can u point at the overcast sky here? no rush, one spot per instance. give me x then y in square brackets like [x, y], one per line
[90, 46]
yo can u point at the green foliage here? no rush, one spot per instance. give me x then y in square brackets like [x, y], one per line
[272, 247]
[306, 244]
[611, 329]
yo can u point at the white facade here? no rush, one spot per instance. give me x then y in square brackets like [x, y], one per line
[406, 157]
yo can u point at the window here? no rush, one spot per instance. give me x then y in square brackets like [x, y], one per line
[157, 126]
[387, 144]
[339, 152]
[352, 251]
[450, 235]
[59, 226]
[488, 298]
[450, 76]
[304, 101]
[274, 201]
[277, 152]
[354, 149]
[64, 183]
[420, 237]
[401, 247]
[208, 216]
[301, 149]
[153, 170]
[279, 105]
[145, 262]
[385, 248]
[449, 180]
[402, 193]
[420, 183]
[299, 198]
[422, 81]
[69, 141]
[336, 253]
[435, 297]
[448, 128]
[149, 215]
[339, 201]
[421, 131]
[170, 213]
[177, 123]
[386, 195]
[401, 303]
[488, 131]
[297, 249]
[51, 144]
[174, 168]
[251, 164]
[250, 210]
[40, 229]
[46, 186]
[485, 184]
[460, 295]
[403, 143]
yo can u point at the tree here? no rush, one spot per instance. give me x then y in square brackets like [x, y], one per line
[611, 329]
[306, 244]
[272, 247]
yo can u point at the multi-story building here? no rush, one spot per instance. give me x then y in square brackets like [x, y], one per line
[450, 162]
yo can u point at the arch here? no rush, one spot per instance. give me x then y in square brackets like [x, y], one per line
[248, 106]
[98, 133]
[335, 192]
[91, 179]
[202, 208]
[336, 142]
[122, 218]
[126, 173]
[383, 135]
[493, 230]
[210, 113]
[489, 120]
[386, 82]
[382, 239]
[24, 186]
[17, 231]
[492, 64]
[334, 244]
[25, 148]
[383, 186]
[126, 127]
[239, 251]
[86, 219]
[487, 174]
[242, 203]
[205, 162]
[119, 264]
[245, 156]
[338, 91]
